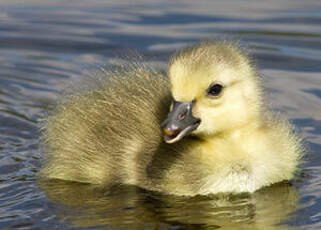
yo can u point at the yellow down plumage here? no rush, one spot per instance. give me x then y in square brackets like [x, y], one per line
[112, 133]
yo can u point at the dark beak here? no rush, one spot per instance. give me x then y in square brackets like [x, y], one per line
[179, 122]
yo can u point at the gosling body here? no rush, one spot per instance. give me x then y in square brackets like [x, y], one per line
[112, 133]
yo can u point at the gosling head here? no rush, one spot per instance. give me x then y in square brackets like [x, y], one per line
[214, 88]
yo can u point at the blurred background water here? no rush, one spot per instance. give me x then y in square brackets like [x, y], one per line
[45, 45]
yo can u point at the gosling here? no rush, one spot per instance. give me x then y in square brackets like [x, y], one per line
[202, 130]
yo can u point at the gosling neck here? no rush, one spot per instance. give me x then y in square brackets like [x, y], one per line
[244, 129]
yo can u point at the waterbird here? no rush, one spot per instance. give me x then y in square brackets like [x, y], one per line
[201, 128]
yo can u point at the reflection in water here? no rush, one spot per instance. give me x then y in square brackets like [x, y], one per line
[130, 207]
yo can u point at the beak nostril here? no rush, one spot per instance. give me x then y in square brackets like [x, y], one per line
[181, 116]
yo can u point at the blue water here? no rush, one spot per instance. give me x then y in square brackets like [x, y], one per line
[47, 45]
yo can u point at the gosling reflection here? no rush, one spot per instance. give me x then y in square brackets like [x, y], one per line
[133, 208]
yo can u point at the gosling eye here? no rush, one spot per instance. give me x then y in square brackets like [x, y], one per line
[215, 90]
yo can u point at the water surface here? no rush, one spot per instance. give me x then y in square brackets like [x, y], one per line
[45, 45]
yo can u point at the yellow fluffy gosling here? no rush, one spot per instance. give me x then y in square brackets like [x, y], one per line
[204, 130]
